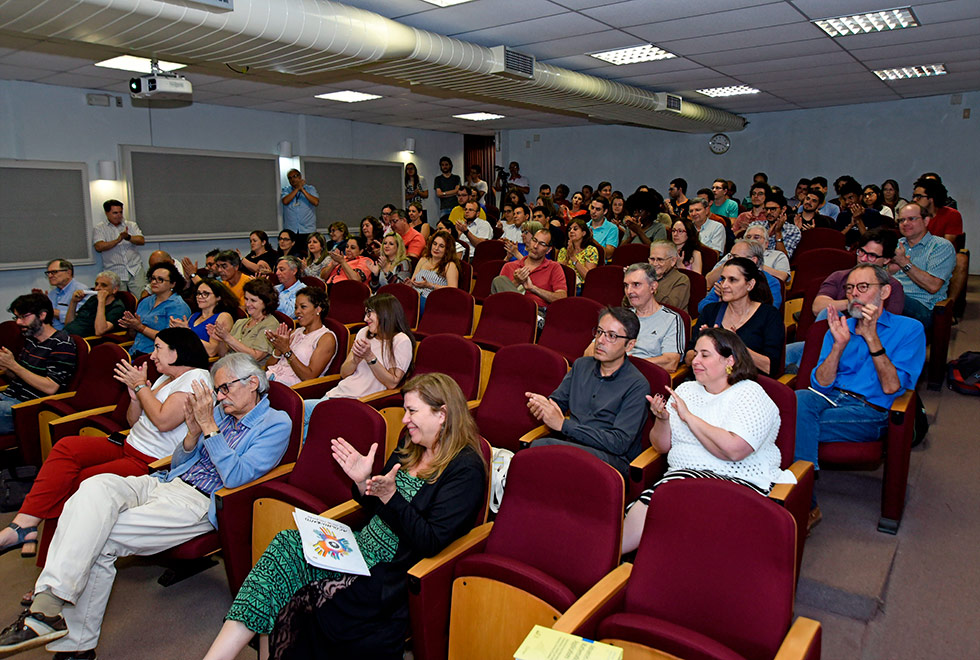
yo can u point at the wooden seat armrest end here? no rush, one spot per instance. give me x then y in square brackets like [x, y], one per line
[537, 432]
[342, 510]
[594, 599]
[274, 473]
[461, 547]
[640, 463]
[780, 492]
[802, 642]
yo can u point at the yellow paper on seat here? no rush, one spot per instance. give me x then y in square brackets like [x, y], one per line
[547, 644]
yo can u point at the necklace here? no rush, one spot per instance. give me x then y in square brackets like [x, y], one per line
[741, 317]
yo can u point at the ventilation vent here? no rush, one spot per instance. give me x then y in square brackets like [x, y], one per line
[664, 102]
[509, 62]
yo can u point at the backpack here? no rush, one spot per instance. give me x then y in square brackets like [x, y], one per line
[963, 374]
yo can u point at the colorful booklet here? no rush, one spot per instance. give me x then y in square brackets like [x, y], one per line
[329, 544]
[547, 644]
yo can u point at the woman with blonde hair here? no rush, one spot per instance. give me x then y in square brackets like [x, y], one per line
[393, 265]
[426, 496]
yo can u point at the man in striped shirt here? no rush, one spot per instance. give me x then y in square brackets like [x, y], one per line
[46, 363]
[225, 446]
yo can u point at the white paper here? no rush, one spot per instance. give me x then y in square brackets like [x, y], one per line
[329, 544]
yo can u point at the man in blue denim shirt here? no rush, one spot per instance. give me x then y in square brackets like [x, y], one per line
[110, 516]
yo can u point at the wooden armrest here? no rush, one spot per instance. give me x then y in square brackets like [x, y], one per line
[646, 457]
[473, 405]
[104, 410]
[788, 379]
[342, 510]
[677, 376]
[532, 435]
[274, 473]
[902, 403]
[306, 385]
[160, 464]
[593, 599]
[379, 395]
[451, 552]
[40, 400]
[802, 635]
[780, 492]
[486, 366]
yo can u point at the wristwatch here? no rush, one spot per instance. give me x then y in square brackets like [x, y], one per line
[138, 388]
[211, 434]
[287, 354]
[907, 267]
[373, 362]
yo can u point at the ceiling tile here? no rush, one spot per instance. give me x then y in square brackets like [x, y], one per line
[640, 12]
[926, 33]
[793, 32]
[10, 72]
[814, 9]
[586, 43]
[480, 15]
[719, 23]
[809, 47]
[43, 61]
[842, 59]
[562, 26]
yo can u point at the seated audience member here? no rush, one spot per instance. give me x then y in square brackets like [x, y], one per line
[214, 305]
[876, 248]
[339, 233]
[156, 413]
[720, 426]
[807, 217]
[472, 229]
[510, 222]
[463, 195]
[582, 252]
[923, 264]
[944, 221]
[866, 361]
[950, 202]
[722, 204]
[673, 286]
[578, 207]
[288, 272]
[413, 239]
[307, 351]
[100, 313]
[264, 271]
[826, 208]
[262, 251]
[289, 245]
[746, 309]
[380, 357]
[393, 265]
[373, 231]
[110, 516]
[783, 236]
[746, 249]
[153, 312]
[685, 238]
[774, 262]
[642, 219]
[757, 213]
[349, 265]
[604, 233]
[536, 276]
[249, 335]
[416, 220]
[602, 394]
[228, 263]
[871, 198]
[64, 286]
[891, 197]
[855, 218]
[661, 337]
[711, 233]
[432, 485]
[190, 268]
[44, 365]
[677, 200]
[802, 186]
[318, 259]
[438, 267]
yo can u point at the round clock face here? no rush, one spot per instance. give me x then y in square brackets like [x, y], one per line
[719, 143]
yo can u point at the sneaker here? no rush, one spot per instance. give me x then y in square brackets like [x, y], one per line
[32, 629]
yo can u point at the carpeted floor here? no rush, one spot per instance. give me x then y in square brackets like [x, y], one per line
[879, 597]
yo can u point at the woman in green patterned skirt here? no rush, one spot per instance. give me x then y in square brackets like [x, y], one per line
[427, 496]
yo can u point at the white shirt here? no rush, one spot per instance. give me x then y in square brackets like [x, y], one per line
[777, 260]
[480, 229]
[123, 260]
[145, 437]
[712, 235]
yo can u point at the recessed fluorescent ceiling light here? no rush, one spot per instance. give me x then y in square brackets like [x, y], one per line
[912, 72]
[634, 54]
[478, 116]
[137, 64]
[737, 90]
[348, 96]
[875, 21]
[446, 3]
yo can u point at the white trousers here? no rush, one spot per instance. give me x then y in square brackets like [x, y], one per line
[109, 517]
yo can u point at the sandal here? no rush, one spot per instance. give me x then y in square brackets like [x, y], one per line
[22, 540]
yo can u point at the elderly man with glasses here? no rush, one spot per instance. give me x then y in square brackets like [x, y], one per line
[63, 291]
[923, 263]
[604, 396]
[228, 444]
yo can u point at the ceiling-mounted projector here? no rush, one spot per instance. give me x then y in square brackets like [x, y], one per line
[161, 85]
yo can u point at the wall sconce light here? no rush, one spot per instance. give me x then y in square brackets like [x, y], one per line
[285, 149]
[410, 145]
[107, 170]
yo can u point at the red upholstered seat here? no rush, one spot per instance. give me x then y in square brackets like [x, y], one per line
[490, 250]
[507, 318]
[315, 282]
[664, 636]
[484, 272]
[604, 284]
[409, 298]
[568, 326]
[347, 301]
[817, 264]
[817, 238]
[447, 310]
[699, 289]
[629, 254]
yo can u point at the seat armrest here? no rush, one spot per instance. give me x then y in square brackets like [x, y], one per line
[901, 405]
[82, 414]
[23, 405]
[680, 374]
[160, 464]
[379, 395]
[473, 405]
[593, 600]
[780, 492]
[802, 642]
[461, 547]
[342, 510]
[315, 388]
[642, 462]
[789, 380]
[537, 432]
[274, 473]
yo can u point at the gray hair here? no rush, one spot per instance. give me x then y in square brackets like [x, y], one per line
[242, 365]
[647, 269]
[702, 201]
[756, 251]
[880, 273]
[64, 264]
[762, 225]
[112, 277]
[671, 248]
[292, 261]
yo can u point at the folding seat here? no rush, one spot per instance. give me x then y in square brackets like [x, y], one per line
[347, 301]
[817, 264]
[484, 272]
[409, 298]
[817, 238]
[490, 250]
[507, 318]
[605, 284]
[568, 326]
[315, 282]
[699, 289]
[629, 254]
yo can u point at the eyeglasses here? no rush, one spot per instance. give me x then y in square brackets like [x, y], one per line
[773, 209]
[909, 218]
[862, 287]
[861, 252]
[49, 273]
[919, 196]
[224, 387]
[202, 294]
[608, 334]
[658, 260]
[540, 243]
[23, 317]
[159, 280]
[678, 231]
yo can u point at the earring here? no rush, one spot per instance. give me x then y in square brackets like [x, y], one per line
[728, 370]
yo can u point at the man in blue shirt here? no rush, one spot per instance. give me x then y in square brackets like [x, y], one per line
[866, 362]
[923, 264]
[287, 270]
[605, 233]
[61, 277]
[299, 202]
[226, 446]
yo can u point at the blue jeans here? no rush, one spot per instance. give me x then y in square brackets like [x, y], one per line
[918, 311]
[7, 414]
[794, 350]
[817, 420]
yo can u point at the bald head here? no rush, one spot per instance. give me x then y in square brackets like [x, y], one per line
[160, 257]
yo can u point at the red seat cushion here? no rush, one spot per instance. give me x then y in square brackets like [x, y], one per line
[520, 575]
[664, 636]
[199, 546]
[851, 452]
